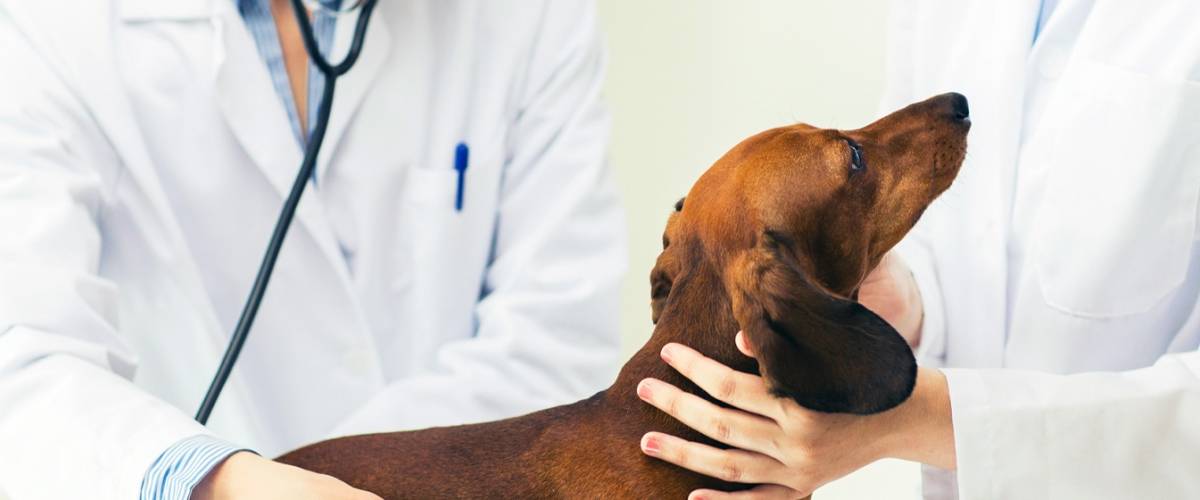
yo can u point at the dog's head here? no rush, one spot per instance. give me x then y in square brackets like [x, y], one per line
[793, 219]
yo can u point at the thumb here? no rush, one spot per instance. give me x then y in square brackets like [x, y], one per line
[743, 344]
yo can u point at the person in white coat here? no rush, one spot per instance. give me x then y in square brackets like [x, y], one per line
[144, 156]
[1057, 283]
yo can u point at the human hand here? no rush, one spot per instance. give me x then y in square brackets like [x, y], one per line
[245, 475]
[891, 292]
[785, 448]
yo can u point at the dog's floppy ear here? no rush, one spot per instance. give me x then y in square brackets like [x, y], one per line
[827, 353]
[662, 277]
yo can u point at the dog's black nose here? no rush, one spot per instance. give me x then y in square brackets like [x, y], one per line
[958, 105]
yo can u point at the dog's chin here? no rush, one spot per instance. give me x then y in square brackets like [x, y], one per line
[938, 186]
[944, 174]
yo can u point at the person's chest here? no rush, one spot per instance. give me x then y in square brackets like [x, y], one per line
[380, 238]
[1102, 234]
[1081, 185]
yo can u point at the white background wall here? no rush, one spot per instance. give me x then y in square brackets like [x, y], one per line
[690, 78]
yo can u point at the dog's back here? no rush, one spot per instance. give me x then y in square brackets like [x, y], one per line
[564, 452]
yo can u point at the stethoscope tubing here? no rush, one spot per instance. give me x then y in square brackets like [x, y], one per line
[250, 310]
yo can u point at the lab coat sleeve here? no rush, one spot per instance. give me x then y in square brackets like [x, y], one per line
[72, 425]
[548, 316]
[917, 252]
[1095, 435]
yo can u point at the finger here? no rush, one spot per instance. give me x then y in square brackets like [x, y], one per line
[327, 486]
[727, 425]
[760, 492]
[336, 488]
[883, 269]
[732, 465]
[743, 344]
[742, 390]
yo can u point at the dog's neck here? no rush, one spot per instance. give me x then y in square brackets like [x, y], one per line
[582, 450]
[697, 314]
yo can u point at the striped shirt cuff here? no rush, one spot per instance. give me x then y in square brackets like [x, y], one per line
[181, 467]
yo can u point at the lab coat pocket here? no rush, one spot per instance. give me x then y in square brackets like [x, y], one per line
[432, 188]
[1118, 219]
[430, 269]
[445, 250]
[431, 225]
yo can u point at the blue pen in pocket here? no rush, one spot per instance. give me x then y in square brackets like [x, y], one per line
[462, 156]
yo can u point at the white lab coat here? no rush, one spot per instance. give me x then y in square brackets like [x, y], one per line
[144, 156]
[1067, 245]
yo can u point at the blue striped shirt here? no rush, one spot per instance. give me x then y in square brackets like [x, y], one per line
[257, 15]
[177, 471]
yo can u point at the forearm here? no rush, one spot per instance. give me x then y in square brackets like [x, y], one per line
[922, 428]
[1104, 434]
[1022, 433]
[85, 432]
[513, 367]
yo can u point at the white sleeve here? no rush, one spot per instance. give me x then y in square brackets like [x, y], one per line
[548, 318]
[72, 425]
[916, 251]
[1132, 434]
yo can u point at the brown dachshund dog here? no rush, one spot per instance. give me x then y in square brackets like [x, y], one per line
[773, 240]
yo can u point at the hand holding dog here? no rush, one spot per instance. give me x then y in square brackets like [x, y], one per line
[781, 445]
[890, 291]
[246, 475]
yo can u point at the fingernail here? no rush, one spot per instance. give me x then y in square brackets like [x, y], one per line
[696, 496]
[650, 445]
[743, 344]
[667, 352]
[643, 390]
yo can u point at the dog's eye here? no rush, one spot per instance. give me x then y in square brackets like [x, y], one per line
[857, 163]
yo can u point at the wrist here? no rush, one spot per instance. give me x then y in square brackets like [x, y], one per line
[922, 429]
[218, 483]
[916, 304]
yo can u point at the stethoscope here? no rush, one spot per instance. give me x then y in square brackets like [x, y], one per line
[331, 73]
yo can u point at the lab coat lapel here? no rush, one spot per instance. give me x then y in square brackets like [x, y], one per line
[258, 119]
[113, 113]
[354, 85]
[247, 102]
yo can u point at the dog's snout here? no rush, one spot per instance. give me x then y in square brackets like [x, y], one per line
[958, 106]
